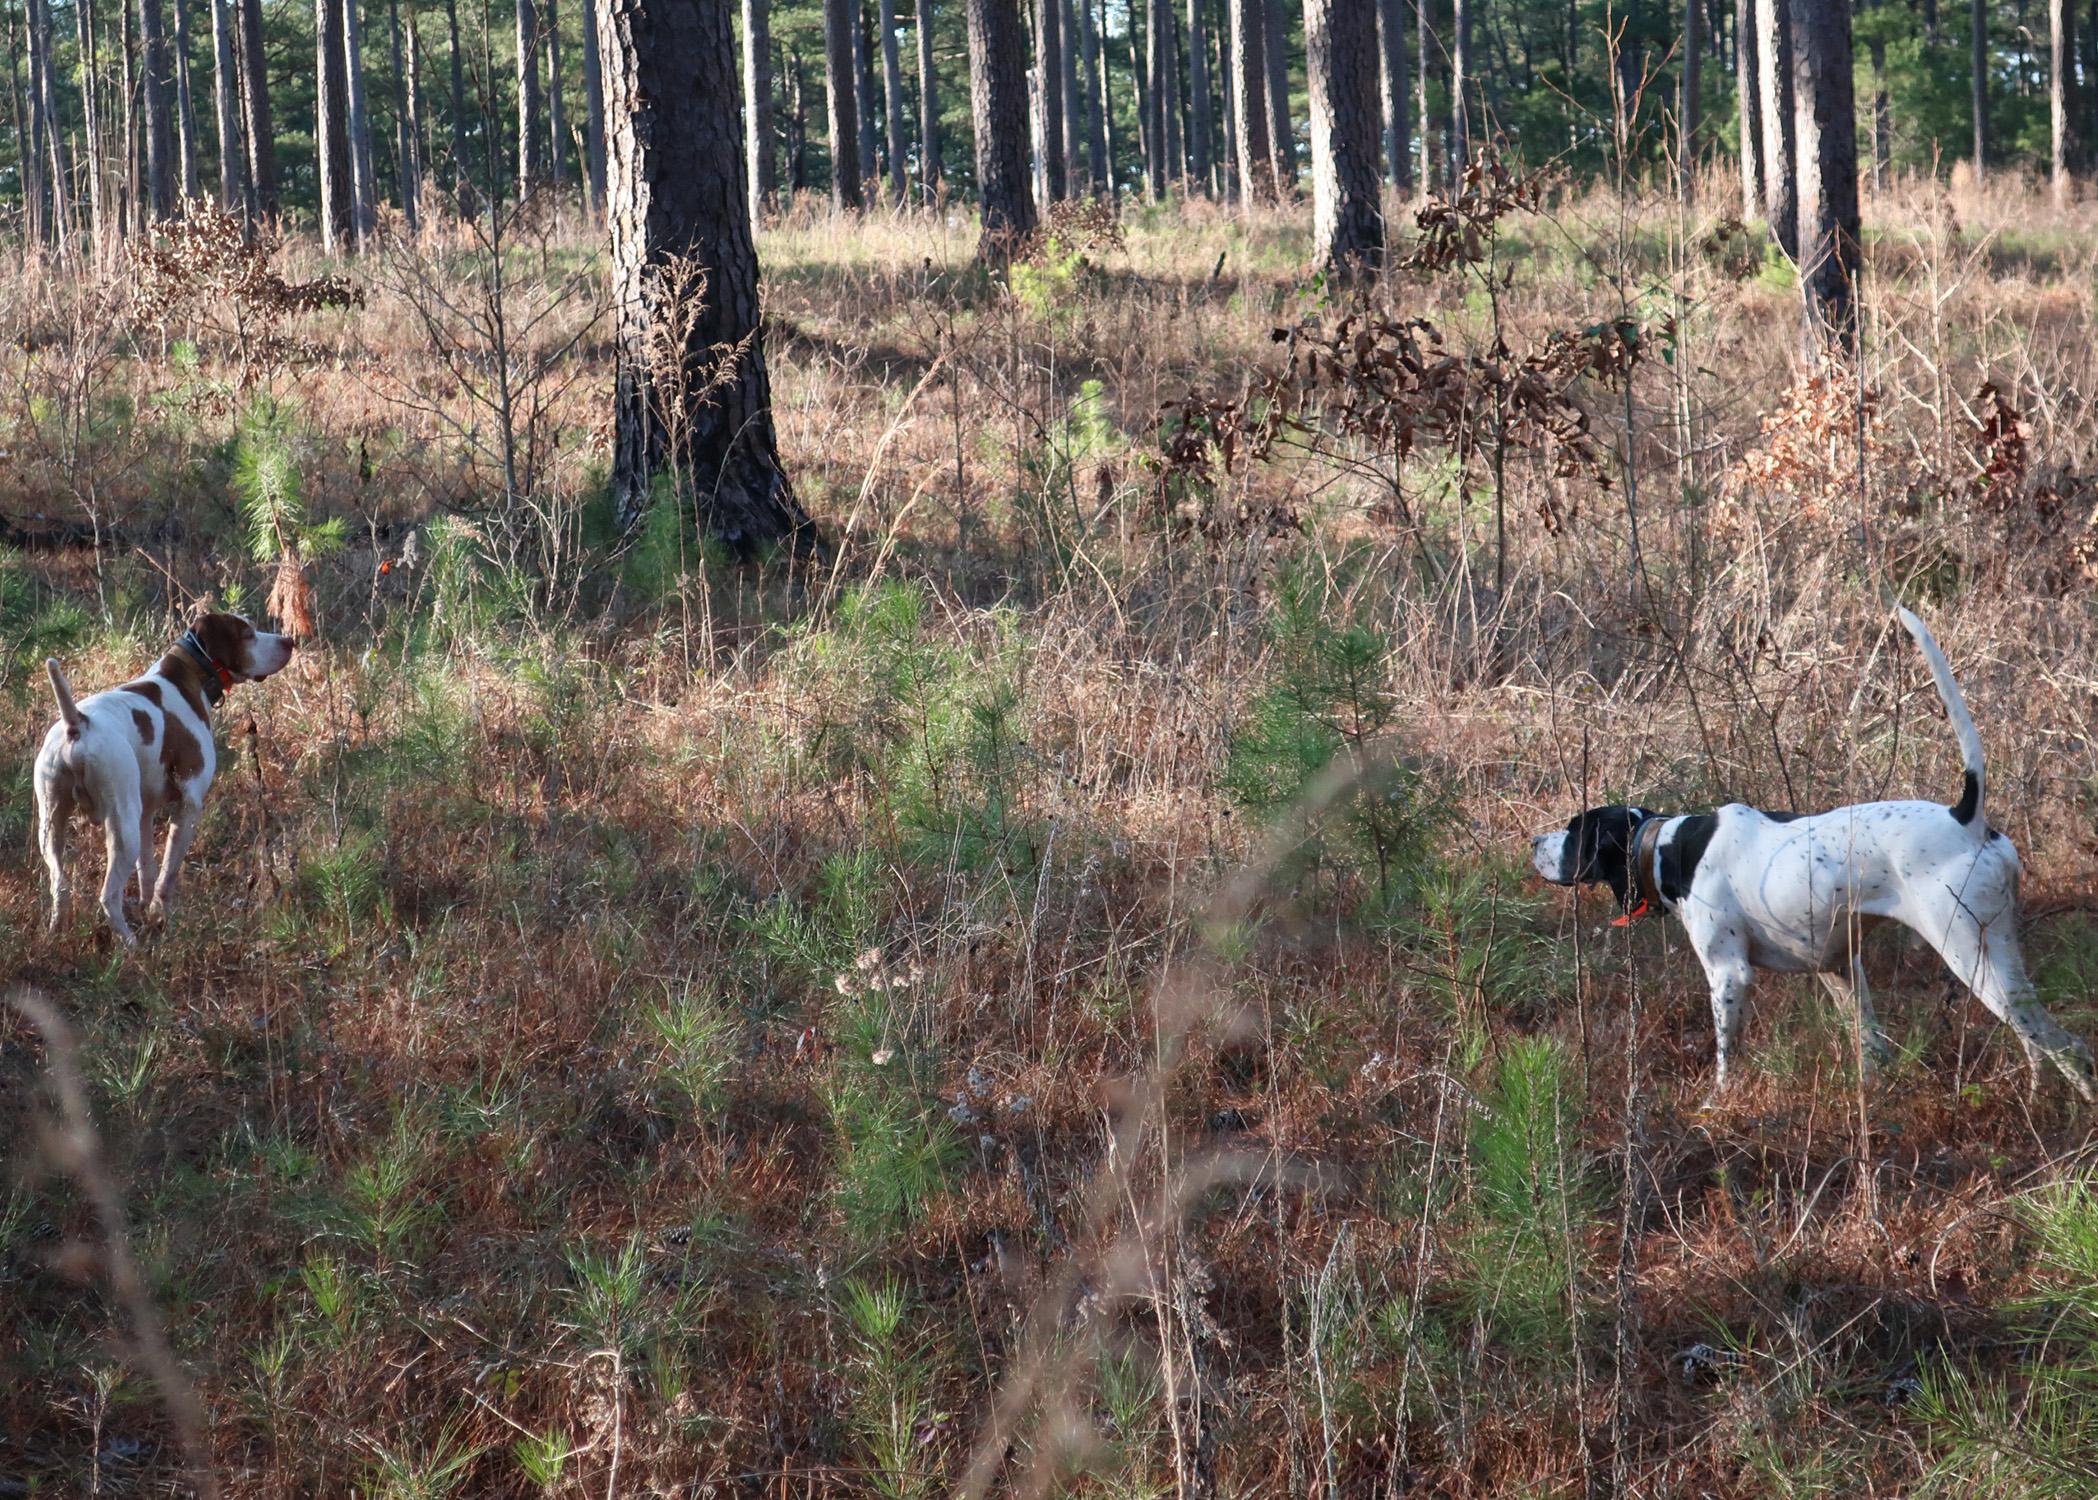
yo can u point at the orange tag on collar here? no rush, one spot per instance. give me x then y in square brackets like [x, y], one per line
[1633, 915]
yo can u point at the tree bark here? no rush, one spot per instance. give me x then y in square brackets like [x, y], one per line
[1249, 99]
[931, 173]
[556, 113]
[460, 175]
[1748, 99]
[225, 86]
[1460, 88]
[159, 127]
[1074, 103]
[1827, 137]
[1282, 135]
[892, 98]
[39, 192]
[1341, 67]
[405, 146]
[840, 21]
[594, 111]
[1398, 105]
[1979, 32]
[863, 95]
[757, 106]
[1687, 101]
[1104, 166]
[187, 145]
[25, 132]
[256, 114]
[1424, 72]
[1049, 96]
[364, 187]
[1780, 171]
[1201, 120]
[1158, 150]
[2059, 23]
[531, 148]
[998, 107]
[91, 118]
[678, 200]
[797, 126]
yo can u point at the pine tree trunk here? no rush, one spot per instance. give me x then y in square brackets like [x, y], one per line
[1398, 104]
[1226, 109]
[187, 145]
[2059, 22]
[892, 98]
[1249, 99]
[91, 119]
[1049, 96]
[1158, 37]
[1824, 94]
[594, 111]
[1073, 111]
[461, 175]
[1201, 124]
[863, 84]
[133, 199]
[30, 147]
[1979, 31]
[1106, 169]
[998, 108]
[161, 164]
[1095, 125]
[531, 147]
[405, 167]
[1282, 134]
[1341, 66]
[1748, 101]
[1687, 101]
[797, 127]
[931, 172]
[25, 131]
[757, 106]
[332, 137]
[678, 198]
[225, 87]
[1175, 103]
[1424, 72]
[260, 128]
[840, 21]
[1460, 87]
[364, 188]
[556, 111]
[1780, 170]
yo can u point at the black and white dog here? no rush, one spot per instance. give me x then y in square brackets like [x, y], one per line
[1757, 890]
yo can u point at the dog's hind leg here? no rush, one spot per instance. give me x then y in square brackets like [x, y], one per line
[120, 830]
[148, 866]
[52, 816]
[1855, 995]
[1987, 960]
[1730, 978]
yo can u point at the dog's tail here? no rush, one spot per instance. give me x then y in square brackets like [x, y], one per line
[67, 709]
[1967, 810]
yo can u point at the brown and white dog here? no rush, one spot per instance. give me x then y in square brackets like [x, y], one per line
[127, 754]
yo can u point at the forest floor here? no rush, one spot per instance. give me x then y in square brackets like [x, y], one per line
[1049, 999]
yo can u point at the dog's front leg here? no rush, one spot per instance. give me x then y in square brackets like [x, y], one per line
[186, 815]
[1857, 995]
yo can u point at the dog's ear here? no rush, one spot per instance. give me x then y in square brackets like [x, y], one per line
[1599, 842]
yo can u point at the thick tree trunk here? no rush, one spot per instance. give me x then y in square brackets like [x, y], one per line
[863, 83]
[1686, 101]
[1089, 101]
[188, 147]
[757, 106]
[261, 130]
[460, 175]
[1460, 88]
[331, 134]
[161, 165]
[38, 191]
[1282, 134]
[1158, 148]
[405, 149]
[998, 107]
[1748, 100]
[931, 173]
[892, 98]
[225, 89]
[1341, 66]
[1249, 99]
[1201, 119]
[678, 202]
[364, 187]
[1398, 104]
[2059, 22]
[1780, 170]
[1827, 137]
[556, 113]
[840, 21]
[1049, 96]
[531, 107]
[594, 111]
[1979, 33]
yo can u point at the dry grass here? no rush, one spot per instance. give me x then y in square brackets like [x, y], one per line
[578, 949]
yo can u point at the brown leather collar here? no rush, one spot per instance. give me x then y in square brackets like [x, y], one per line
[1645, 870]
